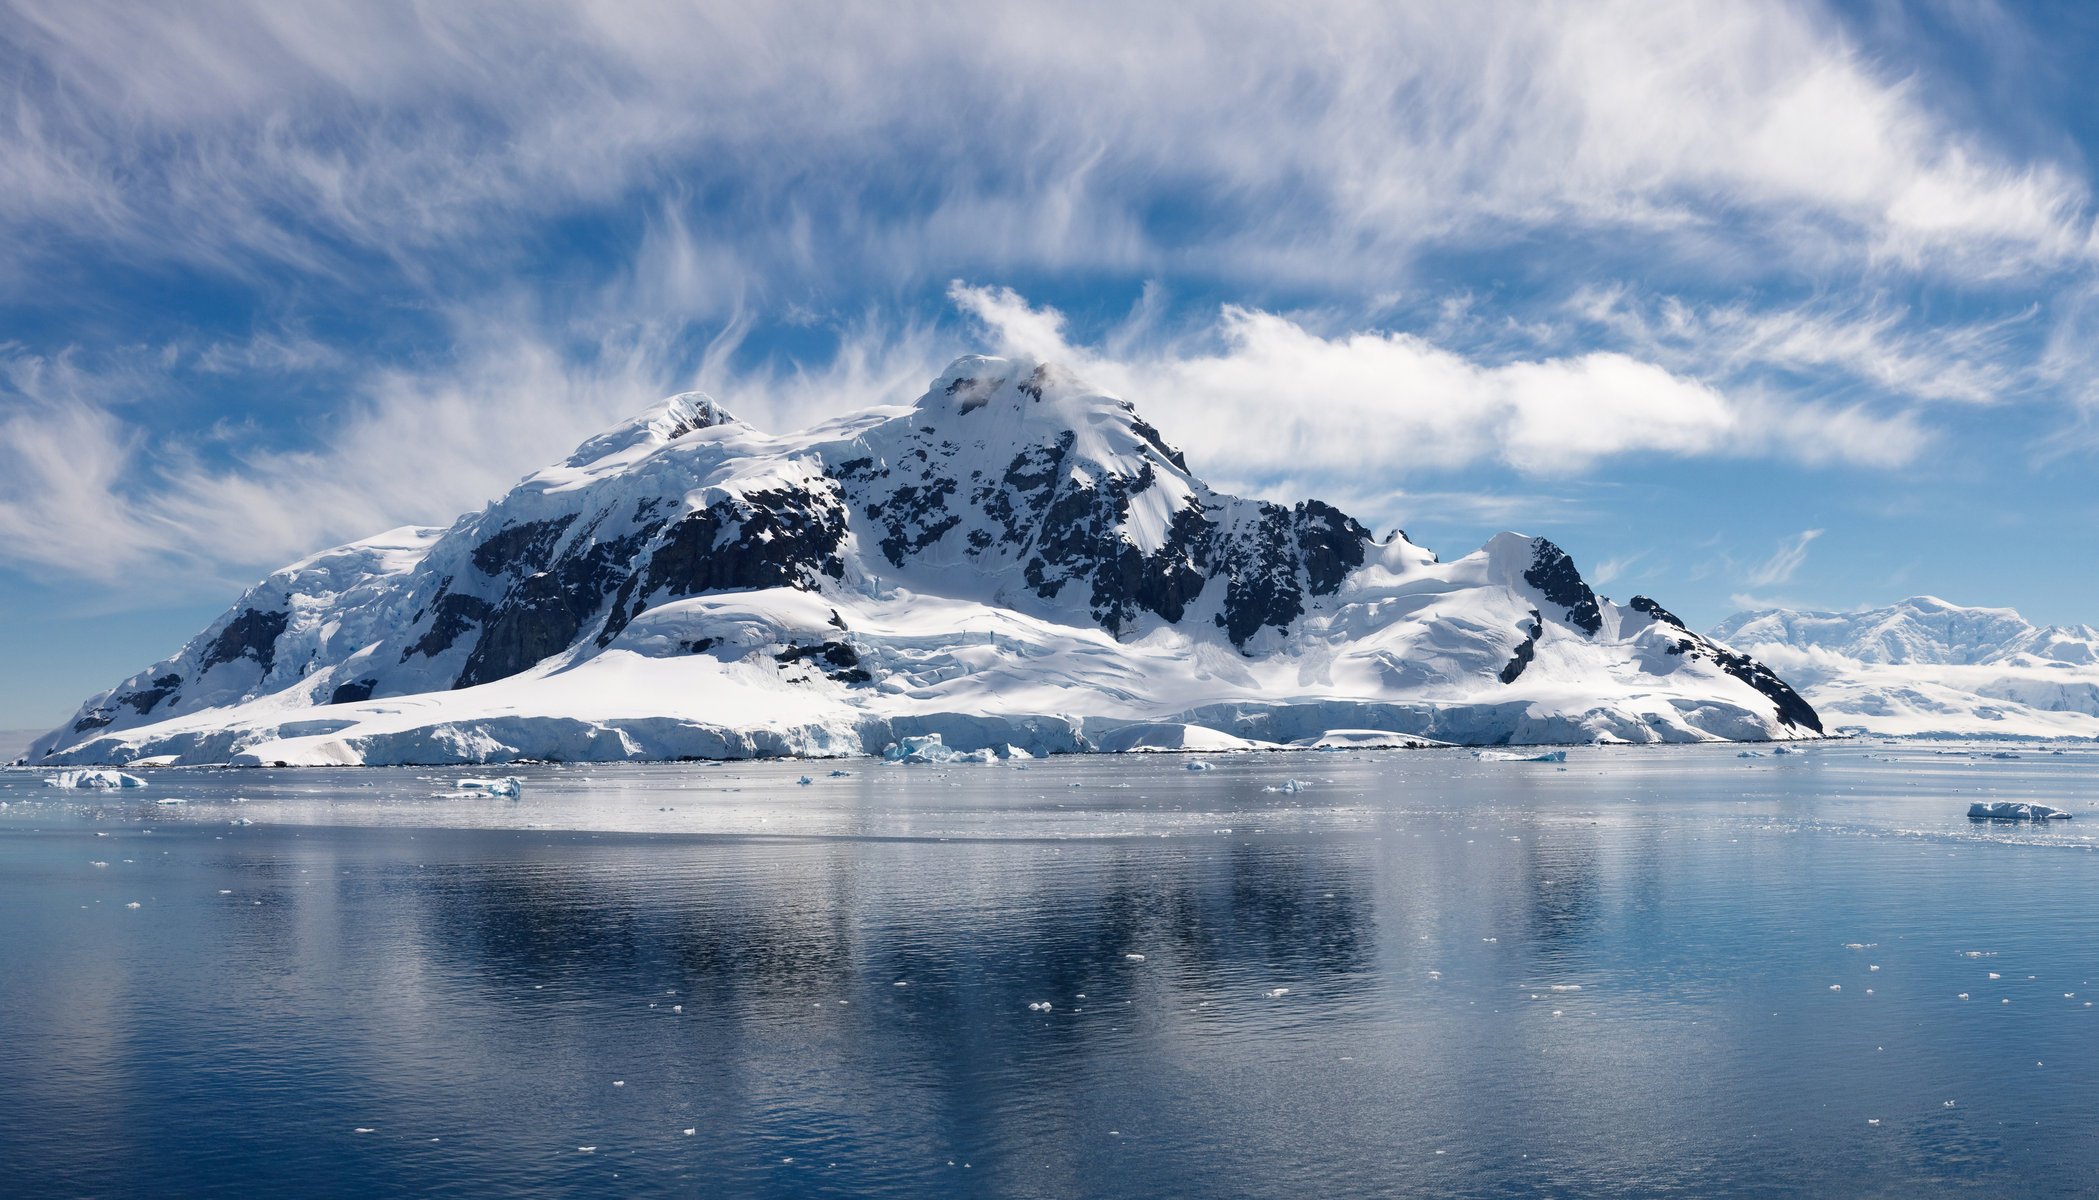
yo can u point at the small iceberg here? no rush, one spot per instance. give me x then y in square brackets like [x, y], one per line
[1549, 756]
[509, 785]
[930, 749]
[2013, 810]
[93, 779]
[1196, 764]
[1289, 787]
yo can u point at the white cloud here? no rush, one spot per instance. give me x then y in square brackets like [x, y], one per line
[1262, 404]
[85, 493]
[1867, 340]
[1275, 398]
[1612, 569]
[933, 135]
[1785, 562]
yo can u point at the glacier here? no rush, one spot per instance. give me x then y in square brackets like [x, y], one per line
[1014, 560]
[1925, 667]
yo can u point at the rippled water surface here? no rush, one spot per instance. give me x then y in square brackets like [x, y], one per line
[1652, 971]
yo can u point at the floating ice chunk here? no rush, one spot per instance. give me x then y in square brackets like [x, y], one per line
[1783, 750]
[930, 749]
[1133, 958]
[93, 779]
[1750, 754]
[1196, 764]
[362, 1129]
[509, 785]
[2013, 810]
[1291, 786]
[133, 904]
[171, 800]
[805, 781]
[690, 1132]
[1549, 756]
[840, 774]
[1276, 993]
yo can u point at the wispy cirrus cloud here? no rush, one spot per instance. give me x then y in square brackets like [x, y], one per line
[1785, 562]
[927, 136]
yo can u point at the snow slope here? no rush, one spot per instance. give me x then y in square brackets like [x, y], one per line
[1924, 667]
[1015, 558]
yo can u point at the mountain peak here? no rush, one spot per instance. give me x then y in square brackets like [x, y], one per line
[662, 423]
[990, 400]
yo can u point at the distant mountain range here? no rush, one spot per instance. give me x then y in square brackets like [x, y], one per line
[1925, 667]
[1015, 559]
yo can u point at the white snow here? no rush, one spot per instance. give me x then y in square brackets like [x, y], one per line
[961, 652]
[1928, 668]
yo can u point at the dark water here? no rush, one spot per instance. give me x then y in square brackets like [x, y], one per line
[729, 984]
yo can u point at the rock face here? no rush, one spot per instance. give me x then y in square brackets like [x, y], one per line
[1014, 551]
[1926, 667]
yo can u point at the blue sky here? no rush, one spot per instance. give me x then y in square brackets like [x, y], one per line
[1743, 303]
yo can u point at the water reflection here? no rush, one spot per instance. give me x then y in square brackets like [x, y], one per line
[1644, 973]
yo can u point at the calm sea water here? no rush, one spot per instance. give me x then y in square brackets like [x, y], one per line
[1652, 972]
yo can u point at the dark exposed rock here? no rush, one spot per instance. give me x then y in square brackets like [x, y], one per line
[1143, 429]
[546, 612]
[1793, 710]
[1553, 573]
[521, 549]
[1287, 554]
[1020, 499]
[144, 699]
[1332, 543]
[840, 661]
[1644, 605]
[353, 691]
[762, 539]
[253, 634]
[1526, 650]
[454, 613]
[915, 518]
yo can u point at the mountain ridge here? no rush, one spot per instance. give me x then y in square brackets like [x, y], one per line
[735, 591]
[1924, 666]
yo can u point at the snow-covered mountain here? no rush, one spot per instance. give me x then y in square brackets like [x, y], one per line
[1015, 558]
[1925, 667]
